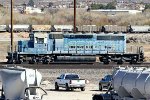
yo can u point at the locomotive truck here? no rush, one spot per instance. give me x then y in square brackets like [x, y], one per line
[128, 84]
[46, 47]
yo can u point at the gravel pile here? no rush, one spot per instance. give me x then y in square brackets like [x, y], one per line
[93, 75]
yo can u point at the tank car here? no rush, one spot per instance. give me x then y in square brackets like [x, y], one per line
[46, 47]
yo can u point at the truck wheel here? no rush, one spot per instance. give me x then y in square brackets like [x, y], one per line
[97, 97]
[67, 87]
[100, 87]
[82, 88]
[72, 89]
[56, 86]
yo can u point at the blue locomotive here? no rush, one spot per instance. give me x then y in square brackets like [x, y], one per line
[46, 47]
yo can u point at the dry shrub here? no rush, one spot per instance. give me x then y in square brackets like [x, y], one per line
[65, 16]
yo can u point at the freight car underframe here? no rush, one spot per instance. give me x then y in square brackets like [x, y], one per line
[119, 58]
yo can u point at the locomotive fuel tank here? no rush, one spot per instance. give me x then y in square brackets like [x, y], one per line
[77, 58]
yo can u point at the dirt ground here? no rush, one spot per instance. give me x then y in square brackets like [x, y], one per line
[71, 95]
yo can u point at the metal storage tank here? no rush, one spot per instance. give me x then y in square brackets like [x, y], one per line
[132, 83]
[15, 80]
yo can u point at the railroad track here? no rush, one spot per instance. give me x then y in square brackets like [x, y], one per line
[74, 65]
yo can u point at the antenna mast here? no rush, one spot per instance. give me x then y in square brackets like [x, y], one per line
[12, 26]
[74, 26]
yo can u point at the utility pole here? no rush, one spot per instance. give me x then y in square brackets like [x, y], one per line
[74, 26]
[12, 41]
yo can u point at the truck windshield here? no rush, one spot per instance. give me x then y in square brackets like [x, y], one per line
[72, 77]
[108, 77]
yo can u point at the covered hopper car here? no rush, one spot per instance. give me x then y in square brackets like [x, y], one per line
[19, 28]
[139, 29]
[89, 28]
[62, 28]
[3, 28]
[57, 46]
[84, 28]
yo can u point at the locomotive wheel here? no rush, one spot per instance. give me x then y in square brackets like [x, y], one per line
[120, 61]
[45, 62]
[106, 61]
[31, 62]
[133, 61]
[18, 62]
[10, 61]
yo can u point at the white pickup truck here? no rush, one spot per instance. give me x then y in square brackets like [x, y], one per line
[70, 81]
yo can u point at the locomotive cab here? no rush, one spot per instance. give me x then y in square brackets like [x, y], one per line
[40, 42]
